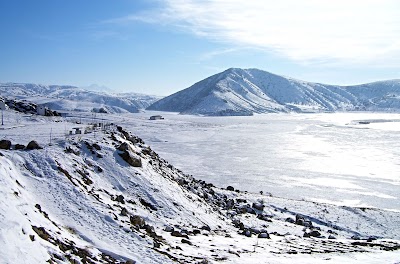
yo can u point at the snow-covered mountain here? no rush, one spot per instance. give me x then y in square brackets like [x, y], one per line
[244, 92]
[107, 197]
[70, 98]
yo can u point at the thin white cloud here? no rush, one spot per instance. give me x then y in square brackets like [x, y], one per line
[215, 53]
[350, 31]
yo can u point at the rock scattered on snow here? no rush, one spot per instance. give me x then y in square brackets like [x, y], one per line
[33, 145]
[5, 144]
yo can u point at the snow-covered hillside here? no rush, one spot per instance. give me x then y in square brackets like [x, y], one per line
[106, 197]
[244, 92]
[70, 98]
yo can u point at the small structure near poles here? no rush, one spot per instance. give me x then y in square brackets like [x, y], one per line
[78, 130]
[41, 110]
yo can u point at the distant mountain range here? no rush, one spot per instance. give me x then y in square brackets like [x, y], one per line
[232, 92]
[248, 91]
[70, 98]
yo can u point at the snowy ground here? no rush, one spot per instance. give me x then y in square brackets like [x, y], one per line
[70, 189]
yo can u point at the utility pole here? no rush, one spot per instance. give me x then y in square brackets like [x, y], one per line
[2, 119]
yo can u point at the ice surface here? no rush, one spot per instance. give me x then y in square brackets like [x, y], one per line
[331, 157]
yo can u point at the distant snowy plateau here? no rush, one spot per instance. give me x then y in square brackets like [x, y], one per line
[245, 92]
[70, 98]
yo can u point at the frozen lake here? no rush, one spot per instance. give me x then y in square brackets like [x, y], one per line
[342, 158]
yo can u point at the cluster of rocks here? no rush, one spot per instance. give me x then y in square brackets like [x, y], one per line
[69, 251]
[125, 151]
[128, 136]
[309, 229]
[184, 234]
[6, 144]
[94, 149]
[138, 223]
[249, 232]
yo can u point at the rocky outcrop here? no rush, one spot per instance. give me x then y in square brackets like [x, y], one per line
[28, 107]
[126, 153]
[131, 159]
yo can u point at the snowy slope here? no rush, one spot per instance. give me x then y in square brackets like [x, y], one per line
[244, 92]
[69, 98]
[106, 197]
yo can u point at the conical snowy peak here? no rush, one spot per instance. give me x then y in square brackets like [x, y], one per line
[248, 91]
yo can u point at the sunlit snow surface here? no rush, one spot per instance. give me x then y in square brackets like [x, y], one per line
[342, 158]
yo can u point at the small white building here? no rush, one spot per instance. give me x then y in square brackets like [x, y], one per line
[78, 130]
[156, 117]
[41, 110]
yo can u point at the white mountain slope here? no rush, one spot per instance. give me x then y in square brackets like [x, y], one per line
[106, 197]
[244, 92]
[70, 98]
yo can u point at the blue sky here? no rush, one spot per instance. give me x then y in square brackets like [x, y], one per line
[160, 47]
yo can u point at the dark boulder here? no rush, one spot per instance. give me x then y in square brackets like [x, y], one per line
[132, 160]
[124, 147]
[169, 229]
[265, 217]
[176, 233]
[246, 233]
[120, 198]
[206, 227]
[33, 145]
[230, 188]
[258, 206]
[313, 233]
[148, 204]
[5, 144]
[251, 210]
[196, 232]
[149, 229]
[96, 146]
[42, 233]
[19, 146]
[263, 235]
[124, 212]
[290, 220]
[185, 241]
[137, 221]
[301, 220]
